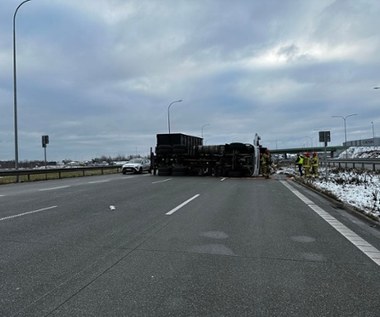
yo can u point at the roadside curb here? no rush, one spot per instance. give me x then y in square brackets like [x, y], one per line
[375, 223]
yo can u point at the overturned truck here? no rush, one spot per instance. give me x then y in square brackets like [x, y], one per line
[179, 154]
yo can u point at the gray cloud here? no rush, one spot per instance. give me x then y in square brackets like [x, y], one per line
[99, 78]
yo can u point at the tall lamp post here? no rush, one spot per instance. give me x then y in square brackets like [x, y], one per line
[203, 126]
[15, 84]
[345, 126]
[373, 132]
[311, 140]
[373, 127]
[180, 100]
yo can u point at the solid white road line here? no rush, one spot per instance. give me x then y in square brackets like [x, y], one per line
[181, 205]
[28, 213]
[351, 236]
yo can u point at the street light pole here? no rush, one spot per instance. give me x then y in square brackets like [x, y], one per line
[345, 127]
[180, 100]
[373, 132]
[15, 84]
[203, 126]
[373, 127]
[311, 140]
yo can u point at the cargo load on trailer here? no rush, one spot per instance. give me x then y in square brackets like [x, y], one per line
[178, 154]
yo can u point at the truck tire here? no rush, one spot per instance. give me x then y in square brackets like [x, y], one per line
[179, 149]
[164, 171]
[240, 147]
[179, 171]
[234, 173]
[164, 149]
[225, 172]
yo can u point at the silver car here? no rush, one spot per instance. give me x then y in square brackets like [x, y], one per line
[137, 165]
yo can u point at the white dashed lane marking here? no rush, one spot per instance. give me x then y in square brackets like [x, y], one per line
[98, 182]
[53, 188]
[181, 205]
[28, 213]
[163, 181]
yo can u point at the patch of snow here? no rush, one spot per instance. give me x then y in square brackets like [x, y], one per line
[361, 152]
[358, 188]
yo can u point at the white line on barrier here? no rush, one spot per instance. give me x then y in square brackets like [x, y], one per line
[351, 236]
[181, 205]
[28, 213]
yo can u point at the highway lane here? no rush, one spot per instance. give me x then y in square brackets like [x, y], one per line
[80, 232]
[239, 247]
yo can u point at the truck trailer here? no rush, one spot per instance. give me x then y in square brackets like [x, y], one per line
[179, 154]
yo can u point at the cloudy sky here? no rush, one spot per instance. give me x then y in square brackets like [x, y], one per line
[97, 76]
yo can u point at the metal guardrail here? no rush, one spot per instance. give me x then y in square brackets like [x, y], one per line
[83, 171]
[365, 164]
[319, 149]
[373, 164]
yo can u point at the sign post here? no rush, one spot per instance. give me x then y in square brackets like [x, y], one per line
[45, 142]
[324, 136]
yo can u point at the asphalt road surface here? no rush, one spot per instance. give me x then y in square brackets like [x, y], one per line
[145, 245]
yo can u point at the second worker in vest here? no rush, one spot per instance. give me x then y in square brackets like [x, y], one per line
[306, 164]
[314, 165]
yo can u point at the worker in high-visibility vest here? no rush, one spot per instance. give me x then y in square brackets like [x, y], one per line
[266, 162]
[299, 163]
[306, 164]
[314, 165]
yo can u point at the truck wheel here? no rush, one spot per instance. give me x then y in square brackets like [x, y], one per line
[164, 149]
[225, 172]
[179, 149]
[240, 147]
[164, 171]
[179, 171]
[234, 174]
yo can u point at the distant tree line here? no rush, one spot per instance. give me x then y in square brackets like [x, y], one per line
[26, 164]
[39, 163]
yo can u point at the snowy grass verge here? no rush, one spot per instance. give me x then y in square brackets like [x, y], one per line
[360, 189]
[357, 188]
